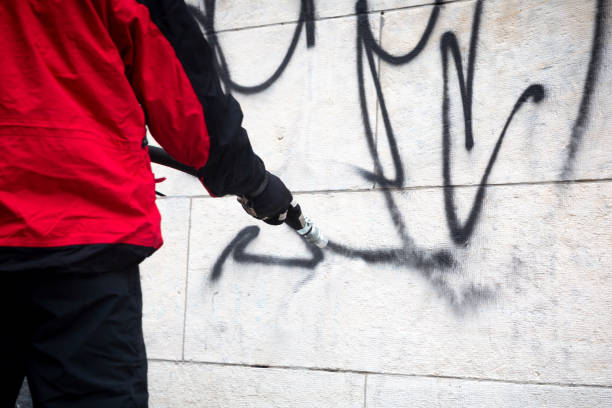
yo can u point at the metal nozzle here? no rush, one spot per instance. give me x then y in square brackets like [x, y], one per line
[304, 226]
[312, 234]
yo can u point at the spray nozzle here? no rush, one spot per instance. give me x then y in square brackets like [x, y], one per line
[304, 226]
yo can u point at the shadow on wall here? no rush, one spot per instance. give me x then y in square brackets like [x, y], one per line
[432, 265]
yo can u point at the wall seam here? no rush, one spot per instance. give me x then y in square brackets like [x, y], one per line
[379, 76]
[437, 186]
[388, 374]
[187, 278]
[341, 16]
[365, 391]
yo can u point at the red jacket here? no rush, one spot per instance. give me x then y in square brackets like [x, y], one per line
[79, 79]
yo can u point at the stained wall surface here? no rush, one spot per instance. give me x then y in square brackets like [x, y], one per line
[458, 156]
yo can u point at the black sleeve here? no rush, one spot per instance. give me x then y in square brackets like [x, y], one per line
[232, 166]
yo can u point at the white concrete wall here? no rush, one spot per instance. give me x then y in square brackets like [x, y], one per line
[516, 312]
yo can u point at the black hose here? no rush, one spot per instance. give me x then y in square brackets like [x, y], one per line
[294, 219]
[159, 156]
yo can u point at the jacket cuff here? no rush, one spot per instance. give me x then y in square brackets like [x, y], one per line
[260, 189]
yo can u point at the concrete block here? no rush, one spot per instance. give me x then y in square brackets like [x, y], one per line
[545, 43]
[320, 130]
[308, 122]
[163, 278]
[411, 392]
[526, 299]
[202, 385]
[307, 125]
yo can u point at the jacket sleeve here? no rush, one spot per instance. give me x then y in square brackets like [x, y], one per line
[171, 68]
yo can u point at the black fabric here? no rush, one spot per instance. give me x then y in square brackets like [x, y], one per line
[77, 337]
[232, 167]
[74, 258]
[272, 203]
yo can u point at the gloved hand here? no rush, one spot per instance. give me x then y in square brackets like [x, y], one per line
[271, 204]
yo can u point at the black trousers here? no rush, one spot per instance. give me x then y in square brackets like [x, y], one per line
[76, 336]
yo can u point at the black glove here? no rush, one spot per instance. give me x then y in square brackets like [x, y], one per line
[271, 204]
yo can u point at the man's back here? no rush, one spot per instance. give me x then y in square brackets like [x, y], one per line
[77, 196]
[76, 77]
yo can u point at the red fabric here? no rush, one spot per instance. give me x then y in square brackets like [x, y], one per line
[76, 79]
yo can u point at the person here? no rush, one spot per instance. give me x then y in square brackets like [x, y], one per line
[79, 81]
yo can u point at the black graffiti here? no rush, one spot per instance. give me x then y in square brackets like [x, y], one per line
[432, 264]
[207, 20]
[237, 248]
[449, 44]
[589, 86]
